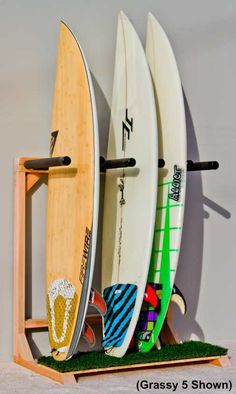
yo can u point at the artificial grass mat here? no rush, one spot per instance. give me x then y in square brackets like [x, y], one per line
[96, 360]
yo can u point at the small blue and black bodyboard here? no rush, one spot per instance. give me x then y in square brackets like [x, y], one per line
[120, 300]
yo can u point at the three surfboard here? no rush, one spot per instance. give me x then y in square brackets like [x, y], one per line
[130, 194]
[131, 257]
[171, 182]
[73, 197]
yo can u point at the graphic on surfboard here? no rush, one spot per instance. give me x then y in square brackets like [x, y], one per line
[130, 193]
[171, 183]
[73, 197]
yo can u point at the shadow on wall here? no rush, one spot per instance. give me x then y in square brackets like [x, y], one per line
[103, 114]
[188, 277]
[216, 207]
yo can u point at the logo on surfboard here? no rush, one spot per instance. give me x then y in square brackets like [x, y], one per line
[127, 128]
[53, 141]
[121, 187]
[85, 255]
[176, 184]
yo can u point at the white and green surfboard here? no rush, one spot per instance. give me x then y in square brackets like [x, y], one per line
[171, 182]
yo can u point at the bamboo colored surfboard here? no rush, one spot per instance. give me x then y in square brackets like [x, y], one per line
[131, 193]
[171, 183]
[73, 196]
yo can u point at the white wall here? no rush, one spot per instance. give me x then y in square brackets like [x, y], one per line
[203, 35]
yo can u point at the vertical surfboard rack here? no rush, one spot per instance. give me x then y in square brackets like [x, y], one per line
[45, 163]
[28, 172]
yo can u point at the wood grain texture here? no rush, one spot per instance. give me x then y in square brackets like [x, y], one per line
[20, 344]
[70, 189]
[23, 182]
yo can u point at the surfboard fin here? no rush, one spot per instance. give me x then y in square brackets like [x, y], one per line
[88, 334]
[149, 312]
[158, 344]
[178, 298]
[150, 296]
[97, 301]
[132, 343]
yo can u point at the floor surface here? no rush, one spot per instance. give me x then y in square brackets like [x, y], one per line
[15, 379]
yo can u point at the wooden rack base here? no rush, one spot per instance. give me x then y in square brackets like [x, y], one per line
[22, 354]
[72, 377]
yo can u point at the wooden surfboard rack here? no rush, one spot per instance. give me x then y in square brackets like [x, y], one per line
[25, 179]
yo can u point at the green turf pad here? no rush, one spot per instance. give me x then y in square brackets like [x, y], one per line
[96, 360]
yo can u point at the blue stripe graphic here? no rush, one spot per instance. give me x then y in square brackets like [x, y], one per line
[106, 291]
[109, 340]
[116, 307]
[119, 317]
[120, 310]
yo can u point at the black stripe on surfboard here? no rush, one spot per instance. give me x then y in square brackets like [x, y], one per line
[116, 338]
[118, 299]
[109, 295]
[117, 313]
[111, 333]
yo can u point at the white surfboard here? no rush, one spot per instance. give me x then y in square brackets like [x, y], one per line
[172, 179]
[131, 193]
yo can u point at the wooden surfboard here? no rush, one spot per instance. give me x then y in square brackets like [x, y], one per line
[171, 182]
[131, 193]
[73, 196]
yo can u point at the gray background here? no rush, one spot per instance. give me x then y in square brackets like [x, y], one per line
[203, 36]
